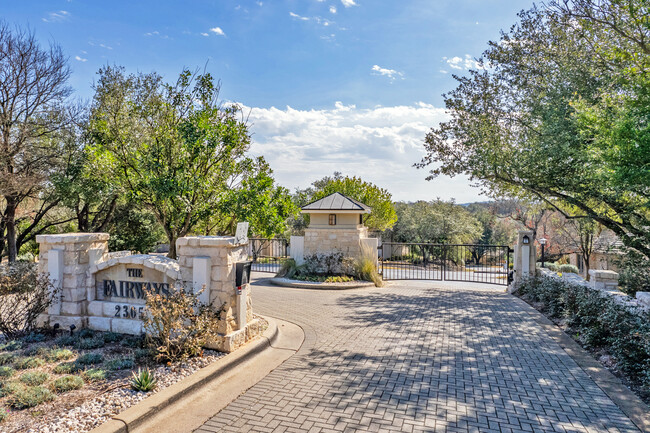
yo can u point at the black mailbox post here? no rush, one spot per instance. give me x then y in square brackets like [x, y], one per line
[242, 274]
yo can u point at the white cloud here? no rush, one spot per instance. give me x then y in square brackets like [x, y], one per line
[80, 59]
[348, 3]
[390, 73]
[322, 21]
[333, 9]
[204, 34]
[442, 71]
[294, 15]
[217, 31]
[462, 63]
[154, 33]
[378, 144]
[54, 17]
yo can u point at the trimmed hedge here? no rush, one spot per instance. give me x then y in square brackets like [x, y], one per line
[598, 321]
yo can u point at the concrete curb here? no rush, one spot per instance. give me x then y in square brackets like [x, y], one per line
[295, 284]
[631, 405]
[134, 416]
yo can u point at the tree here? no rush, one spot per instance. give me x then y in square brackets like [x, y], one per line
[177, 150]
[382, 216]
[436, 221]
[557, 112]
[255, 198]
[579, 235]
[33, 93]
[495, 230]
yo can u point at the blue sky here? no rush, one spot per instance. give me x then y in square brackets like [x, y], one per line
[346, 85]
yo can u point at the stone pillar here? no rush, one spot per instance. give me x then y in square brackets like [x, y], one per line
[372, 244]
[297, 245]
[67, 258]
[603, 280]
[524, 260]
[213, 259]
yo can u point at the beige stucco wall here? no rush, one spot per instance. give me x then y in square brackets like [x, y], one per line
[343, 220]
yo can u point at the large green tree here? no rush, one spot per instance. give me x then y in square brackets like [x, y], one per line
[436, 221]
[558, 111]
[177, 149]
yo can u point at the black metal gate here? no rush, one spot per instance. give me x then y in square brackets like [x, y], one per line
[488, 264]
[267, 255]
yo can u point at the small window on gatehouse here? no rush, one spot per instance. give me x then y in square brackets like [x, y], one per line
[332, 219]
[360, 219]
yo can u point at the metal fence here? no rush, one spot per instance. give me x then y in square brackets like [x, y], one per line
[488, 264]
[267, 255]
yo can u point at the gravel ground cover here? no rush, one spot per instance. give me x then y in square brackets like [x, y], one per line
[64, 383]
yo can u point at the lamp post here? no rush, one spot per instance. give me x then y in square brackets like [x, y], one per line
[542, 242]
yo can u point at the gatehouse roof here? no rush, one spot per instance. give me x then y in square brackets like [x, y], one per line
[336, 202]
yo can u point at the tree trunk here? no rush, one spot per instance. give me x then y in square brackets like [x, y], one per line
[10, 222]
[172, 247]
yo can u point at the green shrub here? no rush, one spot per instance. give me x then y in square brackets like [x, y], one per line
[86, 333]
[58, 354]
[29, 396]
[39, 350]
[90, 359]
[27, 362]
[34, 378]
[112, 337]
[3, 414]
[94, 375]
[120, 364]
[598, 321]
[9, 388]
[569, 269]
[143, 381]
[34, 337]
[90, 343]
[7, 358]
[552, 267]
[133, 341]
[7, 371]
[11, 345]
[143, 356]
[634, 272]
[67, 383]
[67, 340]
[67, 368]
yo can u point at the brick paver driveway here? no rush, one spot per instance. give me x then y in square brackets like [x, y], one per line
[418, 356]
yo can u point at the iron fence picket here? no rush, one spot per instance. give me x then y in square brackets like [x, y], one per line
[267, 255]
[477, 263]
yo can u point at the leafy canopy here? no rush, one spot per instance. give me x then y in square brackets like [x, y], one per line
[558, 111]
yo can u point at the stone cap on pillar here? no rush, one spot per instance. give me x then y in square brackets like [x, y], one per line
[206, 241]
[65, 238]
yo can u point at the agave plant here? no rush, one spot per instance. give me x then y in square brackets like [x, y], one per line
[144, 380]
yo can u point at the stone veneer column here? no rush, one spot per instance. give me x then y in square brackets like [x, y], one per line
[323, 240]
[219, 254]
[67, 258]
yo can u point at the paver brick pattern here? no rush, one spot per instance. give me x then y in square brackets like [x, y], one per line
[418, 356]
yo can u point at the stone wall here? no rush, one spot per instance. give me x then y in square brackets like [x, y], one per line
[67, 258]
[323, 240]
[79, 263]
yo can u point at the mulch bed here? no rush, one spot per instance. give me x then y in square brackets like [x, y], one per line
[39, 375]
